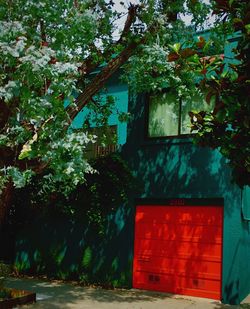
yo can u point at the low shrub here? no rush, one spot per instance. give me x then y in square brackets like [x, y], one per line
[5, 271]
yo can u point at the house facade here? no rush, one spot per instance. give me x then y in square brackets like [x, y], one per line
[189, 229]
[185, 228]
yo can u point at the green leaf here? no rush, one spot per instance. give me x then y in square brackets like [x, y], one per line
[248, 28]
[87, 257]
[176, 47]
[208, 129]
[25, 152]
[207, 46]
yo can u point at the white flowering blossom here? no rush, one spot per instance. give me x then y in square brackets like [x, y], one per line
[8, 28]
[66, 67]
[20, 179]
[7, 91]
[39, 58]
[45, 103]
[14, 48]
[69, 169]
[38, 4]
[46, 50]
[69, 173]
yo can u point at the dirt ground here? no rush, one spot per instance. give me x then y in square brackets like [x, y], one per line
[58, 295]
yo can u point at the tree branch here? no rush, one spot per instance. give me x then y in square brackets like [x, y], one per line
[99, 80]
[88, 65]
[132, 12]
[76, 4]
[4, 113]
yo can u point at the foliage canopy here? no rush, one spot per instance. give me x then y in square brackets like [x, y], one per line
[48, 48]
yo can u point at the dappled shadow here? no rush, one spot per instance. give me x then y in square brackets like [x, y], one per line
[181, 248]
[175, 168]
[70, 250]
[222, 306]
[163, 169]
[52, 295]
[58, 295]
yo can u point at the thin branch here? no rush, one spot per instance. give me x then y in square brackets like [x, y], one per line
[101, 78]
[88, 65]
[76, 4]
[42, 29]
[132, 12]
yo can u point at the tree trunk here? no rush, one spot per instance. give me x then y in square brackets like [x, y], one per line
[5, 201]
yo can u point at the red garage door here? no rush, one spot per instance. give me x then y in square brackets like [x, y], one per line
[178, 249]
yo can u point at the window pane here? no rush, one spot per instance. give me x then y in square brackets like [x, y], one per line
[106, 142]
[197, 103]
[163, 115]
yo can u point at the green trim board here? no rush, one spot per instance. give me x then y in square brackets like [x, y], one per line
[246, 203]
[180, 201]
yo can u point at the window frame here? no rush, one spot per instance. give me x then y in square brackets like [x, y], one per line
[96, 150]
[163, 137]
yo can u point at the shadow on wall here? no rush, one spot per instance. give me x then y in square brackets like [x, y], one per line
[85, 237]
[176, 168]
[72, 250]
[168, 168]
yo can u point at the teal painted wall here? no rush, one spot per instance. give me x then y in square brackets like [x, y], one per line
[66, 249]
[244, 268]
[175, 168]
[119, 91]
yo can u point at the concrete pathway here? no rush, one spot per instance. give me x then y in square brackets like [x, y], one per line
[58, 295]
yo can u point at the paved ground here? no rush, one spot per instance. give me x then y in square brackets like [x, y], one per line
[57, 295]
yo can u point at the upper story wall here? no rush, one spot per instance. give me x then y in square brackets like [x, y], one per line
[171, 166]
[119, 91]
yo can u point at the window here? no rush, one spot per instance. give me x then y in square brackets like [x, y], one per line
[168, 115]
[106, 142]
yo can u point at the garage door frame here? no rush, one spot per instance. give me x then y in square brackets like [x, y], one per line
[178, 202]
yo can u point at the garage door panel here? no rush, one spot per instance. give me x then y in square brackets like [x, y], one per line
[178, 284]
[168, 248]
[180, 215]
[206, 235]
[178, 249]
[189, 265]
[163, 230]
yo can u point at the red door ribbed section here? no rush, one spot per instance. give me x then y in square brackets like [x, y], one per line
[178, 249]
